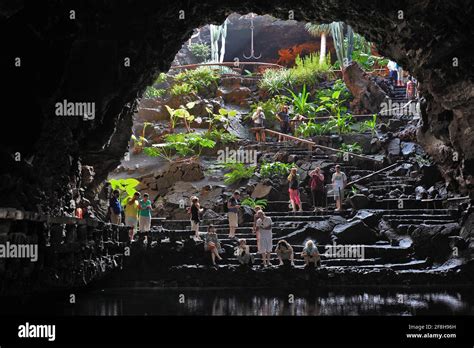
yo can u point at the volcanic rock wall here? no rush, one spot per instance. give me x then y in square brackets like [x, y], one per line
[106, 52]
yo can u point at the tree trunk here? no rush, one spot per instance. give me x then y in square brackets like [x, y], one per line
[322, 52]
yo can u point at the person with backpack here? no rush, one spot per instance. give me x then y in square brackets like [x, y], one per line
[293, 190]
[317, 188]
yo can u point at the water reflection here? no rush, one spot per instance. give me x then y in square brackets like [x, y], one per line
[238, 302]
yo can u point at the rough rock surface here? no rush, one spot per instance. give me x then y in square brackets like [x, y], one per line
[83, 60]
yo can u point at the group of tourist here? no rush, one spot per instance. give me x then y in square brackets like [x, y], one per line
[263, 231]
[137, 212]
[287, 125]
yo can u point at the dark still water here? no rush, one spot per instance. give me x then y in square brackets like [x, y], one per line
[256, 302]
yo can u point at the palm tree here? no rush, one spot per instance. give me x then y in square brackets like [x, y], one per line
[320, 30]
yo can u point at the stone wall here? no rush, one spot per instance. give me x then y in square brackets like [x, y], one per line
[110, 51]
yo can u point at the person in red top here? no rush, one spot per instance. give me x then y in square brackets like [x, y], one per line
[410, 89]
[317, 188]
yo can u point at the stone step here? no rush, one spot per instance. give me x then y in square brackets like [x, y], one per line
[396, 223]
[418, 216]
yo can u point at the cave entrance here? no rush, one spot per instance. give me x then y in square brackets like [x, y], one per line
[232, 68]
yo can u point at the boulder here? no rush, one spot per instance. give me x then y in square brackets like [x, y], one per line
[234, 95]
[430, 175]
[261, 190]
[433, 240]
[393, 147]
[368, 96]
[359, 201]
[370, 217]
[152, 114]
[394, 124]
[354, 232]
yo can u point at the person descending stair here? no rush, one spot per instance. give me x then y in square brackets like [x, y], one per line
[265, 243]
[233, 206]
[293, 190]
[339, 182]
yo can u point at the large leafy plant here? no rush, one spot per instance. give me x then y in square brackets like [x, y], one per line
[252, 203]
[237, 172]
[275, 169]
[126, 187]
[221, 119]
[301, 102]
[182, 113]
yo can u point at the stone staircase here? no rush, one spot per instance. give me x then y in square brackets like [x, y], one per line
[400, 217]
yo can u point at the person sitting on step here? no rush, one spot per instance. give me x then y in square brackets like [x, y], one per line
[258, 119]
[294, 191]
[284, 252]
[311, 254]
[243, 253]
[212, 244]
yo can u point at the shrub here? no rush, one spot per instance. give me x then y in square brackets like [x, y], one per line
[152, 92]
[311, 129]
[199, 79]
[221, 136]
[201, 51]
[308, 71]
[183, 144]
[352, 148]
[238, 172]
[183, 89]
[268, 170]
[275, 80]
[250, 202]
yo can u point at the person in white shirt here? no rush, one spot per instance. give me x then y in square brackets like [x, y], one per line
[265, 243]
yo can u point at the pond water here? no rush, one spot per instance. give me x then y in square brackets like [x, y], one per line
[259, 302]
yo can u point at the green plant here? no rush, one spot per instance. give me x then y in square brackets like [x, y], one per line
[201, 51]
[310, 128]
[197, 79]
[300, 102]
[183, 89]
[238, 172]
[250, 202]
[220, 136]
[183, 144]
[310, 70]
[268, 170]
[369, 125]
[270, 107]
[164, 151]
[126, 187]
[152, 92]
[162, 77]
[222, 118]
[352, 148]
[181, 114]
[140, 141]
[275, 80]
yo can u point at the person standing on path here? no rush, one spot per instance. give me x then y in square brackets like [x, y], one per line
[131, 213]
[284, 118]
[258, 119]
[339, 182]
[293, 190]
[317, 188]
[195, 211]
[233, 206]
[265, 243]
[145, 216]
[115, 208]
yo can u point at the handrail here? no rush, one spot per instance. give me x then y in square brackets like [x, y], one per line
[231, 64]
[312, 143]
[374, 173]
